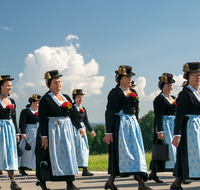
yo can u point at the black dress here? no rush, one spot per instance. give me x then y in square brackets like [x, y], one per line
[81, 144]
[161, 107]
[117, 101]
[27, 160]
[10, 114]
[137, 109]
[48, 108]
[187, 103]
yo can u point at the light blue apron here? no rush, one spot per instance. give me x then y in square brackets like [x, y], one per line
[130, 145]
[28, 158]
[168, 127]
[81, 146]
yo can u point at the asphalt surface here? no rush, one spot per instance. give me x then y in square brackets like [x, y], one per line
[95, 182]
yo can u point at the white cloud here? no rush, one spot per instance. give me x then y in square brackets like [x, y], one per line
[141, 83]
[14, 96]
[7, 28]
[97, 101]
[20, 75]
[70, 37]
[69, 63]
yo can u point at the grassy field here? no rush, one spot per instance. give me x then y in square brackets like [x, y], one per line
[100, 162]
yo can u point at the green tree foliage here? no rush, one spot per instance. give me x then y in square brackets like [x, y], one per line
[96, 144]
[147, 127]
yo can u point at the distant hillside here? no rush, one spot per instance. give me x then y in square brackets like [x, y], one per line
[97, 123]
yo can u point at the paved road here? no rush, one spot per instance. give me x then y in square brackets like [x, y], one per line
[95, 182]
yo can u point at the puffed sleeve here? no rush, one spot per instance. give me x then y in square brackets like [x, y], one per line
[158, 111]
[86, 122]
[14, 117]
[43, 116]
[23, 121]
[111, 109]
[183, 104]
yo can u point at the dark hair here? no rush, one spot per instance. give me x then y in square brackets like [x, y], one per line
[49, 82]
[161, 84]
[74, 96]
[30, 100]
[118, 79]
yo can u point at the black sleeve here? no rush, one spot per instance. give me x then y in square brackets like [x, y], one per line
[86, 122]
[73, 116]
[43, 116]
[14, 118]
[183, 104]
[159, 108]
[23, 121]
[112, 108]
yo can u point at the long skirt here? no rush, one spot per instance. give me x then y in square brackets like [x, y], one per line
[82, 148]
[61, 147]
[168, 127]
[27, 160]
[130, 145]
[8, 147]
[188, 152]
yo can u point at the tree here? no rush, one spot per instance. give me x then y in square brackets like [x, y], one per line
[147, 127]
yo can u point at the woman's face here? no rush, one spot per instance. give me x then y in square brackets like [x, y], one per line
[126, 81]
[194, 79]
[167, 89]
[35, 105]
[55, 85]
[6, 88]
[79, 99]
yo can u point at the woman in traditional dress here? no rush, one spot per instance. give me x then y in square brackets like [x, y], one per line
[81, 144]
[187, 127]
[164, 109]
[55, 134]
[123, 134]
[9, 132]
[28, 123]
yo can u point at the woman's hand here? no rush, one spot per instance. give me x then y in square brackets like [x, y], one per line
[23, 136]
[176, 141]
[45, 143]
[82, 132]
[17, 138]
[108, 138]
[160, 136]
[93, 134]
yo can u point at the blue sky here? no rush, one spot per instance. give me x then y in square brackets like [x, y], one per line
[152, 36]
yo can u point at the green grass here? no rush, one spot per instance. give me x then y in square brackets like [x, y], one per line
[100, 162]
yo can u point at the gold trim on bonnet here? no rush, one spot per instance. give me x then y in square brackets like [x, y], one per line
[122, 70]
[35, 97]
[163, 78]
[186, 68]
[74, 91]
[47, 75]
[1, 78]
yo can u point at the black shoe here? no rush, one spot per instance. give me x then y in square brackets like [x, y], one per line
[42, 184]
[23, 172]
[1, 173]
[186, 181]
[107, 185]
[155, 178]
[174, 187]
[13, 187]
[87, 173]
[144, 188]
[72, 187]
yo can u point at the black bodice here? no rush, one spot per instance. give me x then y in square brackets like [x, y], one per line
[9, 114]
[117, 101]
[162, 107]
[82, 117]
[27, 117]
[187, 104]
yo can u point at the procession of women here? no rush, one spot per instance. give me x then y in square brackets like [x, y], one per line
[51, 133]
